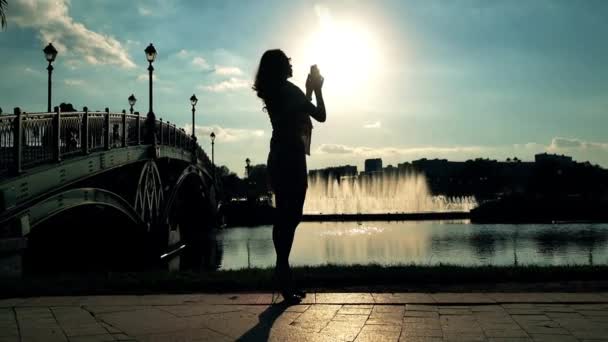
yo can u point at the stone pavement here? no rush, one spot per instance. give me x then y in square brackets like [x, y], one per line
[376, 317]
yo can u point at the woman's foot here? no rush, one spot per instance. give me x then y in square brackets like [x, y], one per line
[286, 285]
[282, 279]
[290, 297]
[299, 292]
[293, 287]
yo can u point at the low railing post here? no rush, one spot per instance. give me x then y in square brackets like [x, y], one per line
[168, 137]
[84, 139]
[161, 131]
[138, 125]
[124, 128]
[57, 135]
[174, 135]
[107, 129]
[17, 143]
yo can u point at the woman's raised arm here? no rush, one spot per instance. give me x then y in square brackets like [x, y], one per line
[319, 113]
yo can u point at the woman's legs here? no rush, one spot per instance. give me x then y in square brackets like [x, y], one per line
[278, 231]
[296, 206]
[289, 207]
[288, 177]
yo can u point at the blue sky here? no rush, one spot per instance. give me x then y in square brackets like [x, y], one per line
[404, 79]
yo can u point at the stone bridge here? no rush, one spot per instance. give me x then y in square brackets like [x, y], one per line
[88, 169]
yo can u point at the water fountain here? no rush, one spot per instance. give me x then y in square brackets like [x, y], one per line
[379, 193]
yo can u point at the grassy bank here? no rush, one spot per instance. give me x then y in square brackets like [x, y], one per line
[321, 278]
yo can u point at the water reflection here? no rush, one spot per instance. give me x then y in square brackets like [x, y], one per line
[203, 254]
[424, 243]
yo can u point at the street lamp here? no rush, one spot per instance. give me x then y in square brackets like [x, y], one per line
[151, 118]
[132, 101]
[193, 101]
[247, 166]
[49, 53]
[212, 136]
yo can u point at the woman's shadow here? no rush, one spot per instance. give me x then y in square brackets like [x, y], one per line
[261, 331]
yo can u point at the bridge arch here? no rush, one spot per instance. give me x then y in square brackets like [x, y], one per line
[73, 198]
[190, 171]
[91, 230]
[149, 194]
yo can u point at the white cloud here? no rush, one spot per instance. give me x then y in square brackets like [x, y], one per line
[144, 12]
[227, 85]
[167, 89]
[73, 82]
[225, 134]
[71, 38]
[73, 64]
[365, 151]
[200, 63]
[580, 150]
[146, 78]
[335, 149]
[156, 8]
[228, 71]
[374, 124]
[559, 144]
[30, 70]
[183, 53]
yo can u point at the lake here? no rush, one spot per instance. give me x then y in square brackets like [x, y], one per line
[418, 242]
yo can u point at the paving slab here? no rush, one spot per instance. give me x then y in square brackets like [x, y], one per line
[452, 298]
[379, 333]
[529, 297]
[578, 297]
[343, 330]
[403, 298]
[323, 317]
[340, 298]
[354, 310]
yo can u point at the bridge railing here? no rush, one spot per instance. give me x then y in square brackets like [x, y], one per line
[31, 139]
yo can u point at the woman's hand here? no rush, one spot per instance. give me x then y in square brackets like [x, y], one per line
[314, 81]
[309, 87]
[319, 83]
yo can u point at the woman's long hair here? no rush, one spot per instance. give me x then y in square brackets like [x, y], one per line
[274, 69]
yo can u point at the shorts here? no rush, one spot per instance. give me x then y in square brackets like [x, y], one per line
[287, 171]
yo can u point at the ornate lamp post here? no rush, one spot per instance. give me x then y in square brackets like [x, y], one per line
[193, 101]
[212, 136]
[49, 53]
[151, 118]
[247, 167]
[132, 101]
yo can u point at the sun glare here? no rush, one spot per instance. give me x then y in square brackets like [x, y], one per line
[346, 53]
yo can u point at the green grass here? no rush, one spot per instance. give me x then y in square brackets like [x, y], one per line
[321, 278]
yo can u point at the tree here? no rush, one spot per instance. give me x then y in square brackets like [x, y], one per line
[231, 186]
[3, 6]
[258, 179]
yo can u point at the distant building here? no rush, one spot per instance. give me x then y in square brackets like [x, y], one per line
[373, 165]
[552, 158]
[405, 166]
[336, 172]
[389, 169]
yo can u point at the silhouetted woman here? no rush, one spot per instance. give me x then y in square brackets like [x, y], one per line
[289, 111]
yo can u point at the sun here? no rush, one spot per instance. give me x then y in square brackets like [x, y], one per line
[347, 55]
